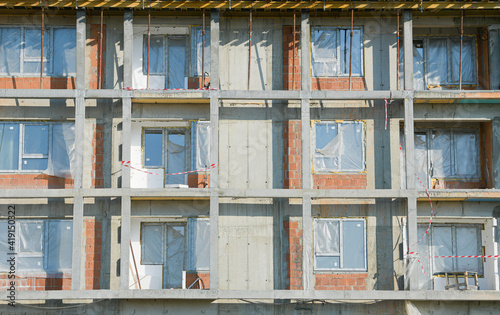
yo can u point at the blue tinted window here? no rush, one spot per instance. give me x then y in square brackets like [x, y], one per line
[153, 148]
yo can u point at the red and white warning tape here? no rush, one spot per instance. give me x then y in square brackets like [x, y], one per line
[199, 89]
[127, 164]
[470, 256]
[386, 104]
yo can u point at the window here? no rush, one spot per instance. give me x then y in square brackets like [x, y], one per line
[339, 244]
[37, 146]
[436, 61]
[338, 146]
[20, 51]
[177, 150]
[165, 244]
[446, 154]
[197, 51]
[41, 246]
[331, 51]
[450, 240]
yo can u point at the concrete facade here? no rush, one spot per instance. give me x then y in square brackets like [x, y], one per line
[263, 194]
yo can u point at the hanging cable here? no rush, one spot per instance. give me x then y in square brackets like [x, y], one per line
[350, 49]
[101, 69]
[149, 43]
[249, 48]
[293, 56]
[135, 264]
[202, 84]
[41, 50]
[397, 40]
[461, 44]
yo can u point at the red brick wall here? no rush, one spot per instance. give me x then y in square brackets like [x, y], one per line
[37, 283]
[288, 55]
[321, 83]
[294, 255]
[97, 66]
[195, 82]
[292, 157]
[198, 180]
[34, 83]
[93, 250]
[191, 278]
[347, 281]
[98, 156]
[292, 160]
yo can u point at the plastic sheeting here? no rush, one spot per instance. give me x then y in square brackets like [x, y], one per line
[152, 244]
[10, 50]
[32, 51]
[324, 52]
[466, 154]
[199, 244]
[174, 264]
[198, 52]
[64, 51]
[338, 147]
[176, 63]
[418, 66]
[441, 154]
[421, 163]
[59, 245]
[9, 146]
[202, 144]
[326, 237]
[468, 245]
[437, 66]
[176, 158]
[442, 245]
[156, 55]
[468, 60]
[61, 160]
[424, 280]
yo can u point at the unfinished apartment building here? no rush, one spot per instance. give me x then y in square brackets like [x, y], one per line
[250, 156]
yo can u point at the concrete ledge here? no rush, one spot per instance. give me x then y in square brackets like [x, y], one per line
[275, 294]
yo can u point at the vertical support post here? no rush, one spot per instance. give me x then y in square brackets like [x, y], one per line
[41, 49]
[76, 268]
[307, 245]
[128, 33]
[461, 44]
[125, 243]
[293, 48]
[350, 49]
[305, 42]
[149, 44]
[409, 138]
[203, 53]
[214, 150]
[214, 49]
[101, 37]
[249, 48]
[397, 52]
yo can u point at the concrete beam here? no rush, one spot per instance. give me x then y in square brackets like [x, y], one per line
[429, 295]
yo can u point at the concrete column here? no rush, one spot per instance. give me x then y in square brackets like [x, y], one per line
[305, 55]
[214, 50]
[306, 143]
[125, 243]
[214, 150]
[128, 46]
[409, 139]
[307, 245]
[76, 268]
[495, 131]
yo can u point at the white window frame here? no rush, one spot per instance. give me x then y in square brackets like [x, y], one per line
[165, 38]
[453, 226]
[339, 170]
[22, 155]
[341, 245]
[429, 132]
[48, 56]
[338, 71]
[44, 252]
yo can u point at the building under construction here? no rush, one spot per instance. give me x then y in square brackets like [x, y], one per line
[249, 157]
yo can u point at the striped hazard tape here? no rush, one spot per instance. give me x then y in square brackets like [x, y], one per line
[127, 164]
[198, 89]
[469, 256]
